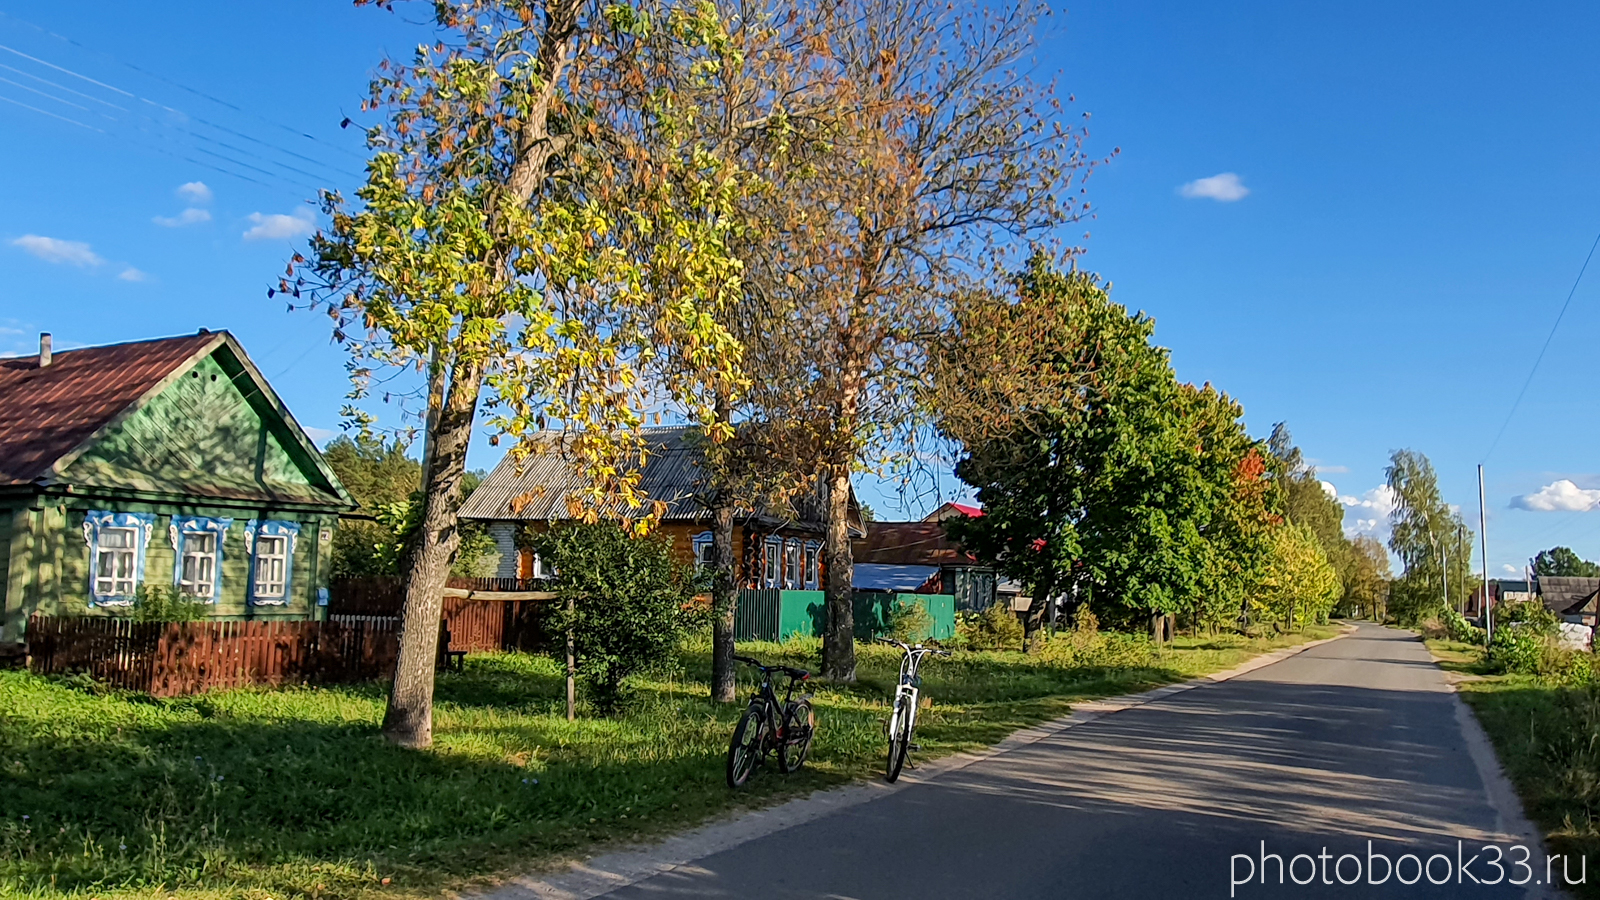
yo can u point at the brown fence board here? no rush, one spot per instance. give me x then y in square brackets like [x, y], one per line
[170, 659]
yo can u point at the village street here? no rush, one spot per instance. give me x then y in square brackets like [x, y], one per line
[1356, 739]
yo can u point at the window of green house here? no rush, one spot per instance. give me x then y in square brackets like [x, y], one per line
[117, 541]
[271, 544]
[197, 548]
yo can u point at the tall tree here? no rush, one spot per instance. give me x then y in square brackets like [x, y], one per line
[1429, 538]
[1367, 590]
[1307, 502]
[508, 239]
[939, 155]
[1098, 471]
[1562, 561]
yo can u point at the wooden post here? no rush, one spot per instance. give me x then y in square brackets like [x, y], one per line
[572, 665]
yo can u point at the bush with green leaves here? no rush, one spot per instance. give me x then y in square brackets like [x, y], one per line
[631, 602]
[908, 621]
[995, 628]
[1459, 629]
[165, 603]
[1516, 648]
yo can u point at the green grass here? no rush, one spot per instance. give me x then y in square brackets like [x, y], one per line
[1548, 740]
[293, 793]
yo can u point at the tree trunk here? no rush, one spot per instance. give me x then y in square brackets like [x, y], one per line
[724, 600]
[839, 640]
[409, 718]
[1033, 619]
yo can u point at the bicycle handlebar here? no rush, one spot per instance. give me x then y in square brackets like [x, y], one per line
[912, 648]
[798, 674]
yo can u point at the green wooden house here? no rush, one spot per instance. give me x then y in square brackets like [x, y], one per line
[162, 462]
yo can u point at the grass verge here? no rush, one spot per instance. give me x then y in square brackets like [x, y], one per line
[1548, 740]
[292, 793]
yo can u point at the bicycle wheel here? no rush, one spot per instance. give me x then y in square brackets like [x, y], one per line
[799, 726]
[744, 751]
[899, 738]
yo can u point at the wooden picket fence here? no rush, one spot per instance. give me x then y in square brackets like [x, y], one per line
[171, 659]
[475, 625]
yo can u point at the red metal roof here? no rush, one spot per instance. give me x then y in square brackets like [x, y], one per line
[45, 413]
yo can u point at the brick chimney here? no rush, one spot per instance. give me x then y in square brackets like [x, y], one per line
[44, 349]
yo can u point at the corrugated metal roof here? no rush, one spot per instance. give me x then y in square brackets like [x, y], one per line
[549, 475]
[1563, 593]
[537, 489]
[909, 544]
[47, 412]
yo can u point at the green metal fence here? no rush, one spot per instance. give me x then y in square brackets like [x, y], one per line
[775, 615]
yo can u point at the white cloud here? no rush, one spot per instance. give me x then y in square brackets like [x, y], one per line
[132, 274]
[1224, 188]
[1558, 496]
[1509, 569]
[319, 436]
[276, 226]
[1370, 511]
[1379, 500]
[1330, 470]
[55, 250]
[1330, 490]
[190, 216]
[195, 192]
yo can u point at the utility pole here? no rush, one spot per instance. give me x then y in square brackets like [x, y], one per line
[1483, 538]
[1444, 572]
[1466, 569]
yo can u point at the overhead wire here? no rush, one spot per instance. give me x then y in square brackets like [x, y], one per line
[1540, 358]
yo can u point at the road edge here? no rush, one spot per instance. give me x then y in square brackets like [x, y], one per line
[618, 869]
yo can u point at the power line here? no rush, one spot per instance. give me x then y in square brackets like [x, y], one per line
[181, 86]
[50, 114]
[1540, 358]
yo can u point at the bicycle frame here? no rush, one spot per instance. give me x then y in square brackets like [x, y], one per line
[908, 690]
[766, 697]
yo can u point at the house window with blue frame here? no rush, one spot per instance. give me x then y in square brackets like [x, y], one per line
[197, 551]
[271, 545]
[117, 543]
[813, 570]
[772, 562]
[704, 550]
[793, 576]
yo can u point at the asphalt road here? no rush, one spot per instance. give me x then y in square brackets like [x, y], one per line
[1354, 740]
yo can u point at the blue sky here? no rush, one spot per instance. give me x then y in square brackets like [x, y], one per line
[1401, 196]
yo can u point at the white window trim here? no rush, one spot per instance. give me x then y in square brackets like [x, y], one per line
[794, 556]
[97, 521]
[772, 562]
[130, 553]
[271, 528]
[179, 530]
[698, 543]
[812, 561]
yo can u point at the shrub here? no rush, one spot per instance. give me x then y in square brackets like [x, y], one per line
[1459, 629]
[1516, 648]
[995, 628]
[631, 603]
[908, 621]
[165, 603]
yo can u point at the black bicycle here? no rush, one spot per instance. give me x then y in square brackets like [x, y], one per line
[769, 725]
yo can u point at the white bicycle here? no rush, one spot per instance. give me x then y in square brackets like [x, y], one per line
[903, 720]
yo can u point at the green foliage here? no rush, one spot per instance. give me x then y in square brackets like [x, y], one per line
[166, 603]
[1459, 629]
[388, 485]
[1299, 585]
[1562, 561]
[909, 621]
[629, 597]
[995, 628]
[1096, 468]
[1432, 541]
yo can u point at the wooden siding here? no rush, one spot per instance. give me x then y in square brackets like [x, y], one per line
[203, 436]
[50, 561]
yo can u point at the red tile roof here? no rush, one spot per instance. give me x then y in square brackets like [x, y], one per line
[909, 544]
[45, 413]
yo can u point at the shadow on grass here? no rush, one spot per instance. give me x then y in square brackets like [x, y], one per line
[295, 793]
